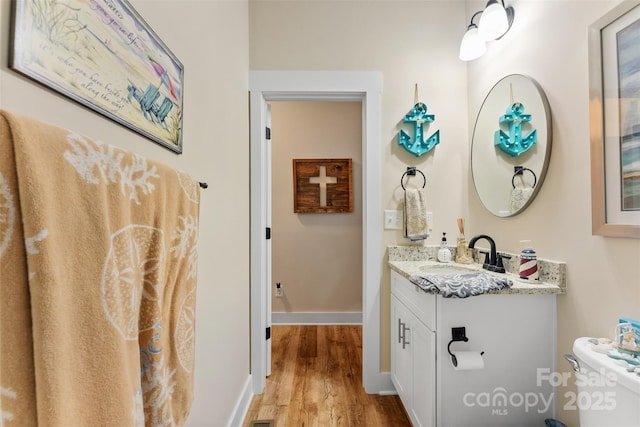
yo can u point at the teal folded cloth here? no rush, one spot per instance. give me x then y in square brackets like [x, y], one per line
[460, 285]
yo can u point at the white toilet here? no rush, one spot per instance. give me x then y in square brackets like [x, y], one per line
[607, 394]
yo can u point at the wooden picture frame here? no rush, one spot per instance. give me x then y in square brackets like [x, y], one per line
[104, 56]
[614, 122]
[322, 186]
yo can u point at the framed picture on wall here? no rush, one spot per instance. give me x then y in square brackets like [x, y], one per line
[614, 83]
[102, 54]
[322, 186]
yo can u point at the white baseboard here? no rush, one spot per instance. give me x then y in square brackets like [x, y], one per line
[383, 385]
[386, 387]
[316, 318]
[242, 405]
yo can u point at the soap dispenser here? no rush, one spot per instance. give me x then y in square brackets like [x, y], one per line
[444, 254]
[528, 271]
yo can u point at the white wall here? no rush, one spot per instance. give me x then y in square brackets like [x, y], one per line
[216, 150]
[316, 257]
[548, 42]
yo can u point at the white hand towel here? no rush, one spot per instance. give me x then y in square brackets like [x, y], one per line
[415, 215]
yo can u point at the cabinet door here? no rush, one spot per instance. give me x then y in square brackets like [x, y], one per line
[420, 303]
[401, 352]
[424, 375]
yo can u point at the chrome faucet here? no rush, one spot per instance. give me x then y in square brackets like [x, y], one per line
[495, 260]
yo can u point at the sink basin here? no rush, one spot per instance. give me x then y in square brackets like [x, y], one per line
[447, 269]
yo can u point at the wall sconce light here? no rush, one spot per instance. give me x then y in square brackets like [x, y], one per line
[495, 21]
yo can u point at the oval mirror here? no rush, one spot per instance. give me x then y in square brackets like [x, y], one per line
[511, 145]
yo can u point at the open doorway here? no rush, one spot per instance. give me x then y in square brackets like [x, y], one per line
[364, 87]
[316, 257]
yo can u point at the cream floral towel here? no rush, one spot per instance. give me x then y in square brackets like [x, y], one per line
[415, 214]
[98, 257]
[519, 197]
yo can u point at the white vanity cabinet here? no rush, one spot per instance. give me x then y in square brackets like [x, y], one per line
[516, 332]
[413, 363]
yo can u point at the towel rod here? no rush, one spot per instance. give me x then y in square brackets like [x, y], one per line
[203, 184]
[411, 171]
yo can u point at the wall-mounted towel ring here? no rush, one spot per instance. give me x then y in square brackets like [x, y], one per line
[411, 171]
[203, 184]
[519, 170]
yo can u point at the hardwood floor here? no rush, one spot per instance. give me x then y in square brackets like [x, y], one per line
[316, 381]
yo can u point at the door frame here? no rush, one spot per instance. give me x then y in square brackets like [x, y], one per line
[362, 86]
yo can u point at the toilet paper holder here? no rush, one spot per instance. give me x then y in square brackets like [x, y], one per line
[457, 334]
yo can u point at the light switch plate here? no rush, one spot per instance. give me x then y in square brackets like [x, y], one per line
[393, 220]
[430, 222]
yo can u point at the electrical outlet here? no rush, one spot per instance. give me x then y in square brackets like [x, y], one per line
[279, 290]
[430, 222]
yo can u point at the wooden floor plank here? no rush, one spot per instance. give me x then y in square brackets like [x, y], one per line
[316, 380]
[308, 346]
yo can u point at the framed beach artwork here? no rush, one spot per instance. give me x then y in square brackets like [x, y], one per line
[614, 83]
[102, 54]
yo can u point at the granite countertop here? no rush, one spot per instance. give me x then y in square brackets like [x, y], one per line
[412, 260]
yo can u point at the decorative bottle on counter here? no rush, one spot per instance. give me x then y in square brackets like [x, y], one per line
[528, 263]
[444, 254]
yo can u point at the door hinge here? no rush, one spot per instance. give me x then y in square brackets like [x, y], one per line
[268, 332]
[268, 133]
[268, 234]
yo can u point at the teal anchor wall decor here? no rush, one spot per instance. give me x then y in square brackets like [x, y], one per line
[514, 143]
[418, 115]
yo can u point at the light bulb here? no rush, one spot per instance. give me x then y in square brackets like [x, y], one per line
[472, 45]
[493, 21]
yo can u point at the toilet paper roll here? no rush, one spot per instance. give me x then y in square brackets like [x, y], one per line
[467, 360]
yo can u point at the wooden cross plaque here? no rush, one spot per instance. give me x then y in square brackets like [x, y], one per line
[322, 186]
